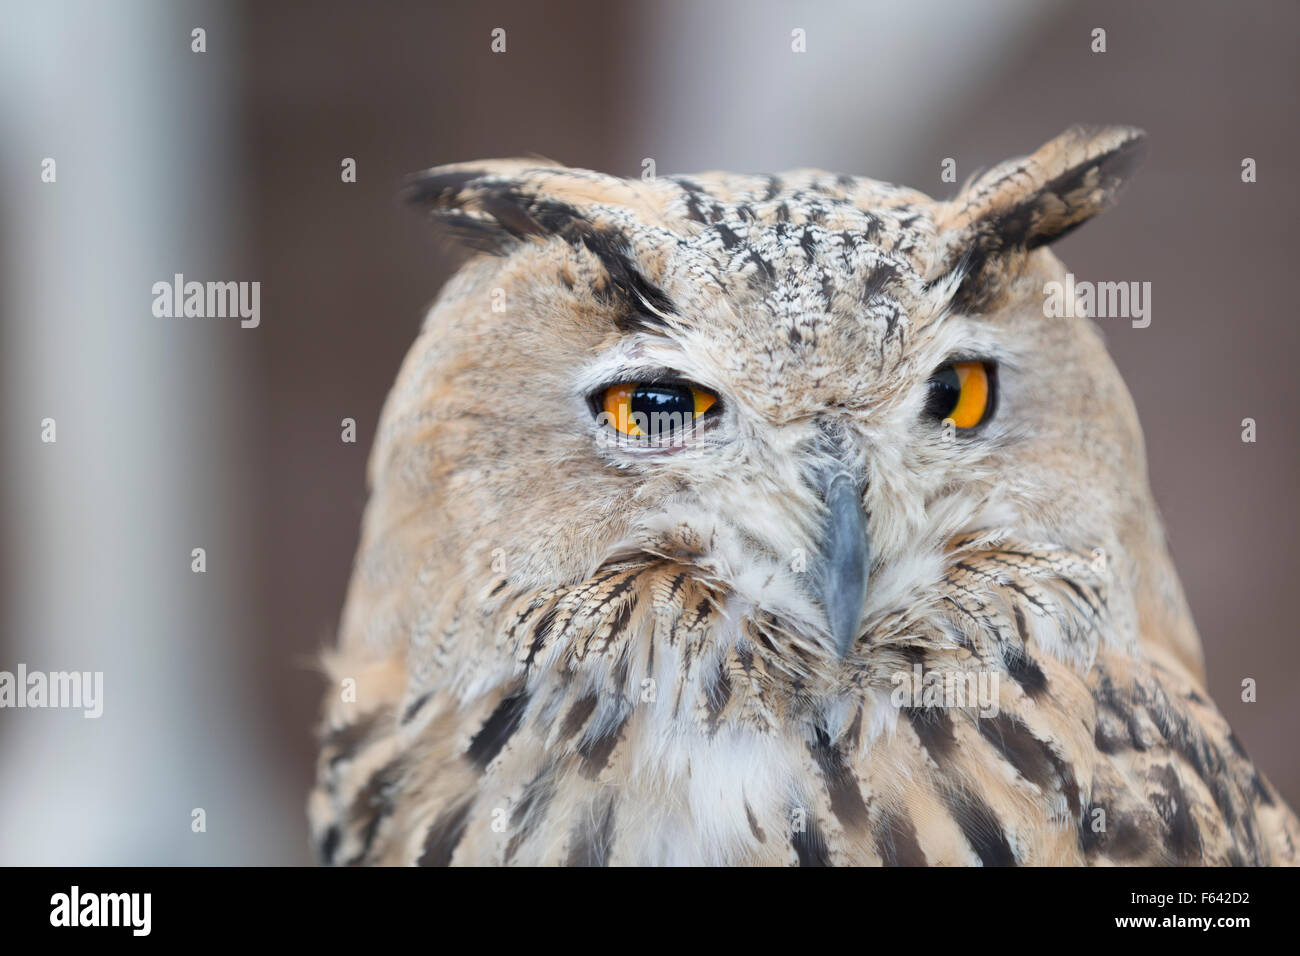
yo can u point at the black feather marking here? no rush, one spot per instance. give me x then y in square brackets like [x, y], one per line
[980, 827]
[416, 706]
[497, 729]
[541, 631]
[619, 625]
[329, 845]
[490, 214]
[445, 834]
[810, 846]
[1123, 837]
[880, 279]
[1190, 744]
[345, 742]
[1033, 758]
[373, 804]
[717, 696]
[765, 273]
[1184, 837]
[440, 189]
[578, 715]
[841, 785]
[531, 809]
[729, 238]
[934, 727]
[595, 752]
[896, 841]
[1022, 668]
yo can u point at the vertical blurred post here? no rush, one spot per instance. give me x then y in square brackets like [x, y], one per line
[854, 86]
[148, 463]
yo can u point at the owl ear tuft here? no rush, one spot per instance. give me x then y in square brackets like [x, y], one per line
[493, 205]
[1025, 203]
[488, 205]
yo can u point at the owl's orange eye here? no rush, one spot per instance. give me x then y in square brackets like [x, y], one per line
[654, 411]
[963, 393]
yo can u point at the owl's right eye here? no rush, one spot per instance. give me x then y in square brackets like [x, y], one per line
[653, 411]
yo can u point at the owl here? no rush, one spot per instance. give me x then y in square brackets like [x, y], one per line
[750, 520]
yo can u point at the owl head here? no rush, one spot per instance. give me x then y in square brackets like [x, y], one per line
[800, 388]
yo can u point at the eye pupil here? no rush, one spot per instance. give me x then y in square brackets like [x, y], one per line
[945, 391]
[666, 404]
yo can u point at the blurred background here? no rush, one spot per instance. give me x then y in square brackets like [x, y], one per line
[174, 434]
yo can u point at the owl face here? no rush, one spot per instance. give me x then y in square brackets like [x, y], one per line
[799, 387]
[681, 477]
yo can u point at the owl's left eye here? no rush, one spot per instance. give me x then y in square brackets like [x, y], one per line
[963, 393]
[654, 411]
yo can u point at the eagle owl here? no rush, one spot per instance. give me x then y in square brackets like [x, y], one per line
[735, 520]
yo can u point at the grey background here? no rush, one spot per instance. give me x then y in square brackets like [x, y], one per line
[176, 434]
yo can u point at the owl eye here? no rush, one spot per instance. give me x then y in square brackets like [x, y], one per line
[963, 392]
[656, 411]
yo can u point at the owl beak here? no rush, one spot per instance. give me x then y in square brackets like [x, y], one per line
[846, 552]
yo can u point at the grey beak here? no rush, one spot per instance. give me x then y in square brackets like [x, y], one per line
[846, 560]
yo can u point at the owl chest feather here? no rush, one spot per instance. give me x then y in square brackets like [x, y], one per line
[636, 723]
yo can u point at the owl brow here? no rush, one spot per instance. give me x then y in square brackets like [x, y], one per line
[490, 214]
[641, 305]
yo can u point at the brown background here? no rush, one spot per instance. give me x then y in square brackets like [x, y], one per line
[346, 272]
